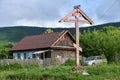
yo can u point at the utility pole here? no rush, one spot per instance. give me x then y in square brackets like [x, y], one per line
[78, 17]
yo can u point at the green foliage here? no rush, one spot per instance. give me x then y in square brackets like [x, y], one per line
[14, 66]
[48, 31]
[5, 50]
[105, 41]
[69, 62]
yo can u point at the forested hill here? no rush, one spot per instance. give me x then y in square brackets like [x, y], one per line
[16, 33]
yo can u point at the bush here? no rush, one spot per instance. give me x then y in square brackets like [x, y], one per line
[69, 62]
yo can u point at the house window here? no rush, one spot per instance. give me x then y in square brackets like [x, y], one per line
[47, 55]
[25, 56]
[34, 56]
[18, 55]
[41, 56]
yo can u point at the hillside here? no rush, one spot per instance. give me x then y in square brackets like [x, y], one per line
[16, 33]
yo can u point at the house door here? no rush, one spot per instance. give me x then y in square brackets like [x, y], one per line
[47, 59]
[41, 56]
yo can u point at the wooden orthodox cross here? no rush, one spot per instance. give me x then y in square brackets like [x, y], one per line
[78, 17]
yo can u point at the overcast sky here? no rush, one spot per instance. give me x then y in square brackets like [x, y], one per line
[47, 13]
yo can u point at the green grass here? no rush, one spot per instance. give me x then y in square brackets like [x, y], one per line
[35, 72]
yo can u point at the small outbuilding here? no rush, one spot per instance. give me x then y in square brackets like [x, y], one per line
[51, 48]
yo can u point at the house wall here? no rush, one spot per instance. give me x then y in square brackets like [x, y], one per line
[60, 56]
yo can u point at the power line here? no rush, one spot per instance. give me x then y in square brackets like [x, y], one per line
[107, 10]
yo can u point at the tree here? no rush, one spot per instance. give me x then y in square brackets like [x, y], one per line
[48, 31]
[111, 43]
[5, 51]
[98, 42]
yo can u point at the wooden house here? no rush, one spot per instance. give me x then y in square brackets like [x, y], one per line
[51, 48]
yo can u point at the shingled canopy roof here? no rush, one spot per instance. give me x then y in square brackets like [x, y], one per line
[39, 41]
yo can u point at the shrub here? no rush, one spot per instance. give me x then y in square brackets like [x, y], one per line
[69, 62]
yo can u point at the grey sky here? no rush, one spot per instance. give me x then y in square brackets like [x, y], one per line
[46, 13]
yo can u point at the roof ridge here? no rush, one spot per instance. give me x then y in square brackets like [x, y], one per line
[44, 34]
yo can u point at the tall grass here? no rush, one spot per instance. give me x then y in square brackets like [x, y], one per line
[15, 66]
[35, 72]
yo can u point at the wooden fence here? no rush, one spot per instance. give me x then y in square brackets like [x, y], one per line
[22, 62]
[44, 62]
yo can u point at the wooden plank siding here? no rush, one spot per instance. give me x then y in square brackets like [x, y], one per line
[64, 41]
[62, 50]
